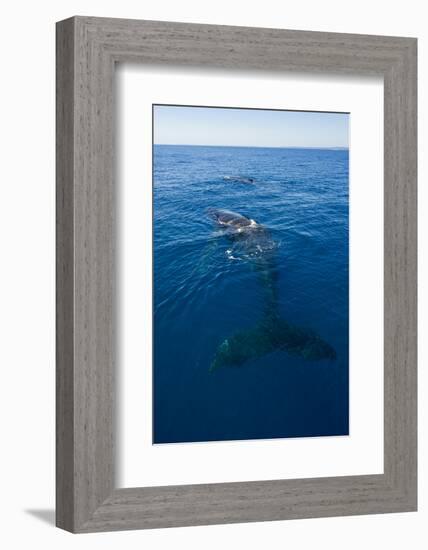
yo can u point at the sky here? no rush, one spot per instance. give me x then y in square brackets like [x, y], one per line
[182, 125]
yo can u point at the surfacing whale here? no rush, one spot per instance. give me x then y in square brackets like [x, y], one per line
[239, 179]
[272, 332]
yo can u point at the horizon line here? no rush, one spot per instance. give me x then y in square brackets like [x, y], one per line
[256, 146]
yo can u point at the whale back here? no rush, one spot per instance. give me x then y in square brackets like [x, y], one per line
[229, 218]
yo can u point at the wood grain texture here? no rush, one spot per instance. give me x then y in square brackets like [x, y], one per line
[87, 50]
[64, 277]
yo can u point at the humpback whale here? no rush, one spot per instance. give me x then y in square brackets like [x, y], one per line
[239, 179]
[272, 332]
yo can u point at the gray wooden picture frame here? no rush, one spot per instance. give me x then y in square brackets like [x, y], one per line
[87, 50]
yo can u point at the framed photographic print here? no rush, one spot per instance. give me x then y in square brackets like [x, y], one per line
[236, 274]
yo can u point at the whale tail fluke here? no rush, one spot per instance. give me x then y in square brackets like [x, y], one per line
[271, 334]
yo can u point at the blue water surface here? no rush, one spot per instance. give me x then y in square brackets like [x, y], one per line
[203, 293]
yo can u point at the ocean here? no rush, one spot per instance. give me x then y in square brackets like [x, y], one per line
[208, 287]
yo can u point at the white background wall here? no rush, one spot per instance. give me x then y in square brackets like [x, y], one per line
[27, 272]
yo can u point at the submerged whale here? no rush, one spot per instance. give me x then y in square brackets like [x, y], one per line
[272, 332]
[239, 179]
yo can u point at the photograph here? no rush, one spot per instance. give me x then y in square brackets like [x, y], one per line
[251, 274]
